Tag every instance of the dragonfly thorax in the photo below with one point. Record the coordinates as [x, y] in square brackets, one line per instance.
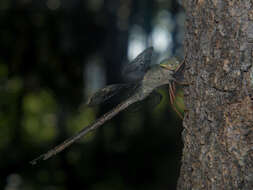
[155, 77]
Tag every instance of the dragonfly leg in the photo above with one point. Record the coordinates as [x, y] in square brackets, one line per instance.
[173, 87]
[179, 114]
[183, 83]
[180, 79]
[172, 99]
[181, 64]
[171, 92]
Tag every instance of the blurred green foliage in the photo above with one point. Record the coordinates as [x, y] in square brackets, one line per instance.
[78, 121]
[39, 120]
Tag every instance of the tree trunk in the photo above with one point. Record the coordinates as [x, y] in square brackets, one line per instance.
[218, 123]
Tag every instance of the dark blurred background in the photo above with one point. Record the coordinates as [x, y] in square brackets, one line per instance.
[53, 55]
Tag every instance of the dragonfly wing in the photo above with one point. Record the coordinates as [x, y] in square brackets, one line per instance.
[110, 92]
[178, 75]
[154, 99]
[151, 101]
[136, 69]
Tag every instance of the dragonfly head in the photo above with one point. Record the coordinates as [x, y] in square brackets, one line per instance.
[170, 64]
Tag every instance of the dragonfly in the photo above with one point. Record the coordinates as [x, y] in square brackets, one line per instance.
[145, 80]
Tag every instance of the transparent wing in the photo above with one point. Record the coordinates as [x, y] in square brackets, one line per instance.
[154, 99]
[111, 94]
[178, 75]
[136, 69]
[151, 101]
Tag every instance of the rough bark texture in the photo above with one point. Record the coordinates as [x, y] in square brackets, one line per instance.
[218, 124]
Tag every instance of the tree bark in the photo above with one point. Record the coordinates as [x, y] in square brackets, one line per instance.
[218, 124]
